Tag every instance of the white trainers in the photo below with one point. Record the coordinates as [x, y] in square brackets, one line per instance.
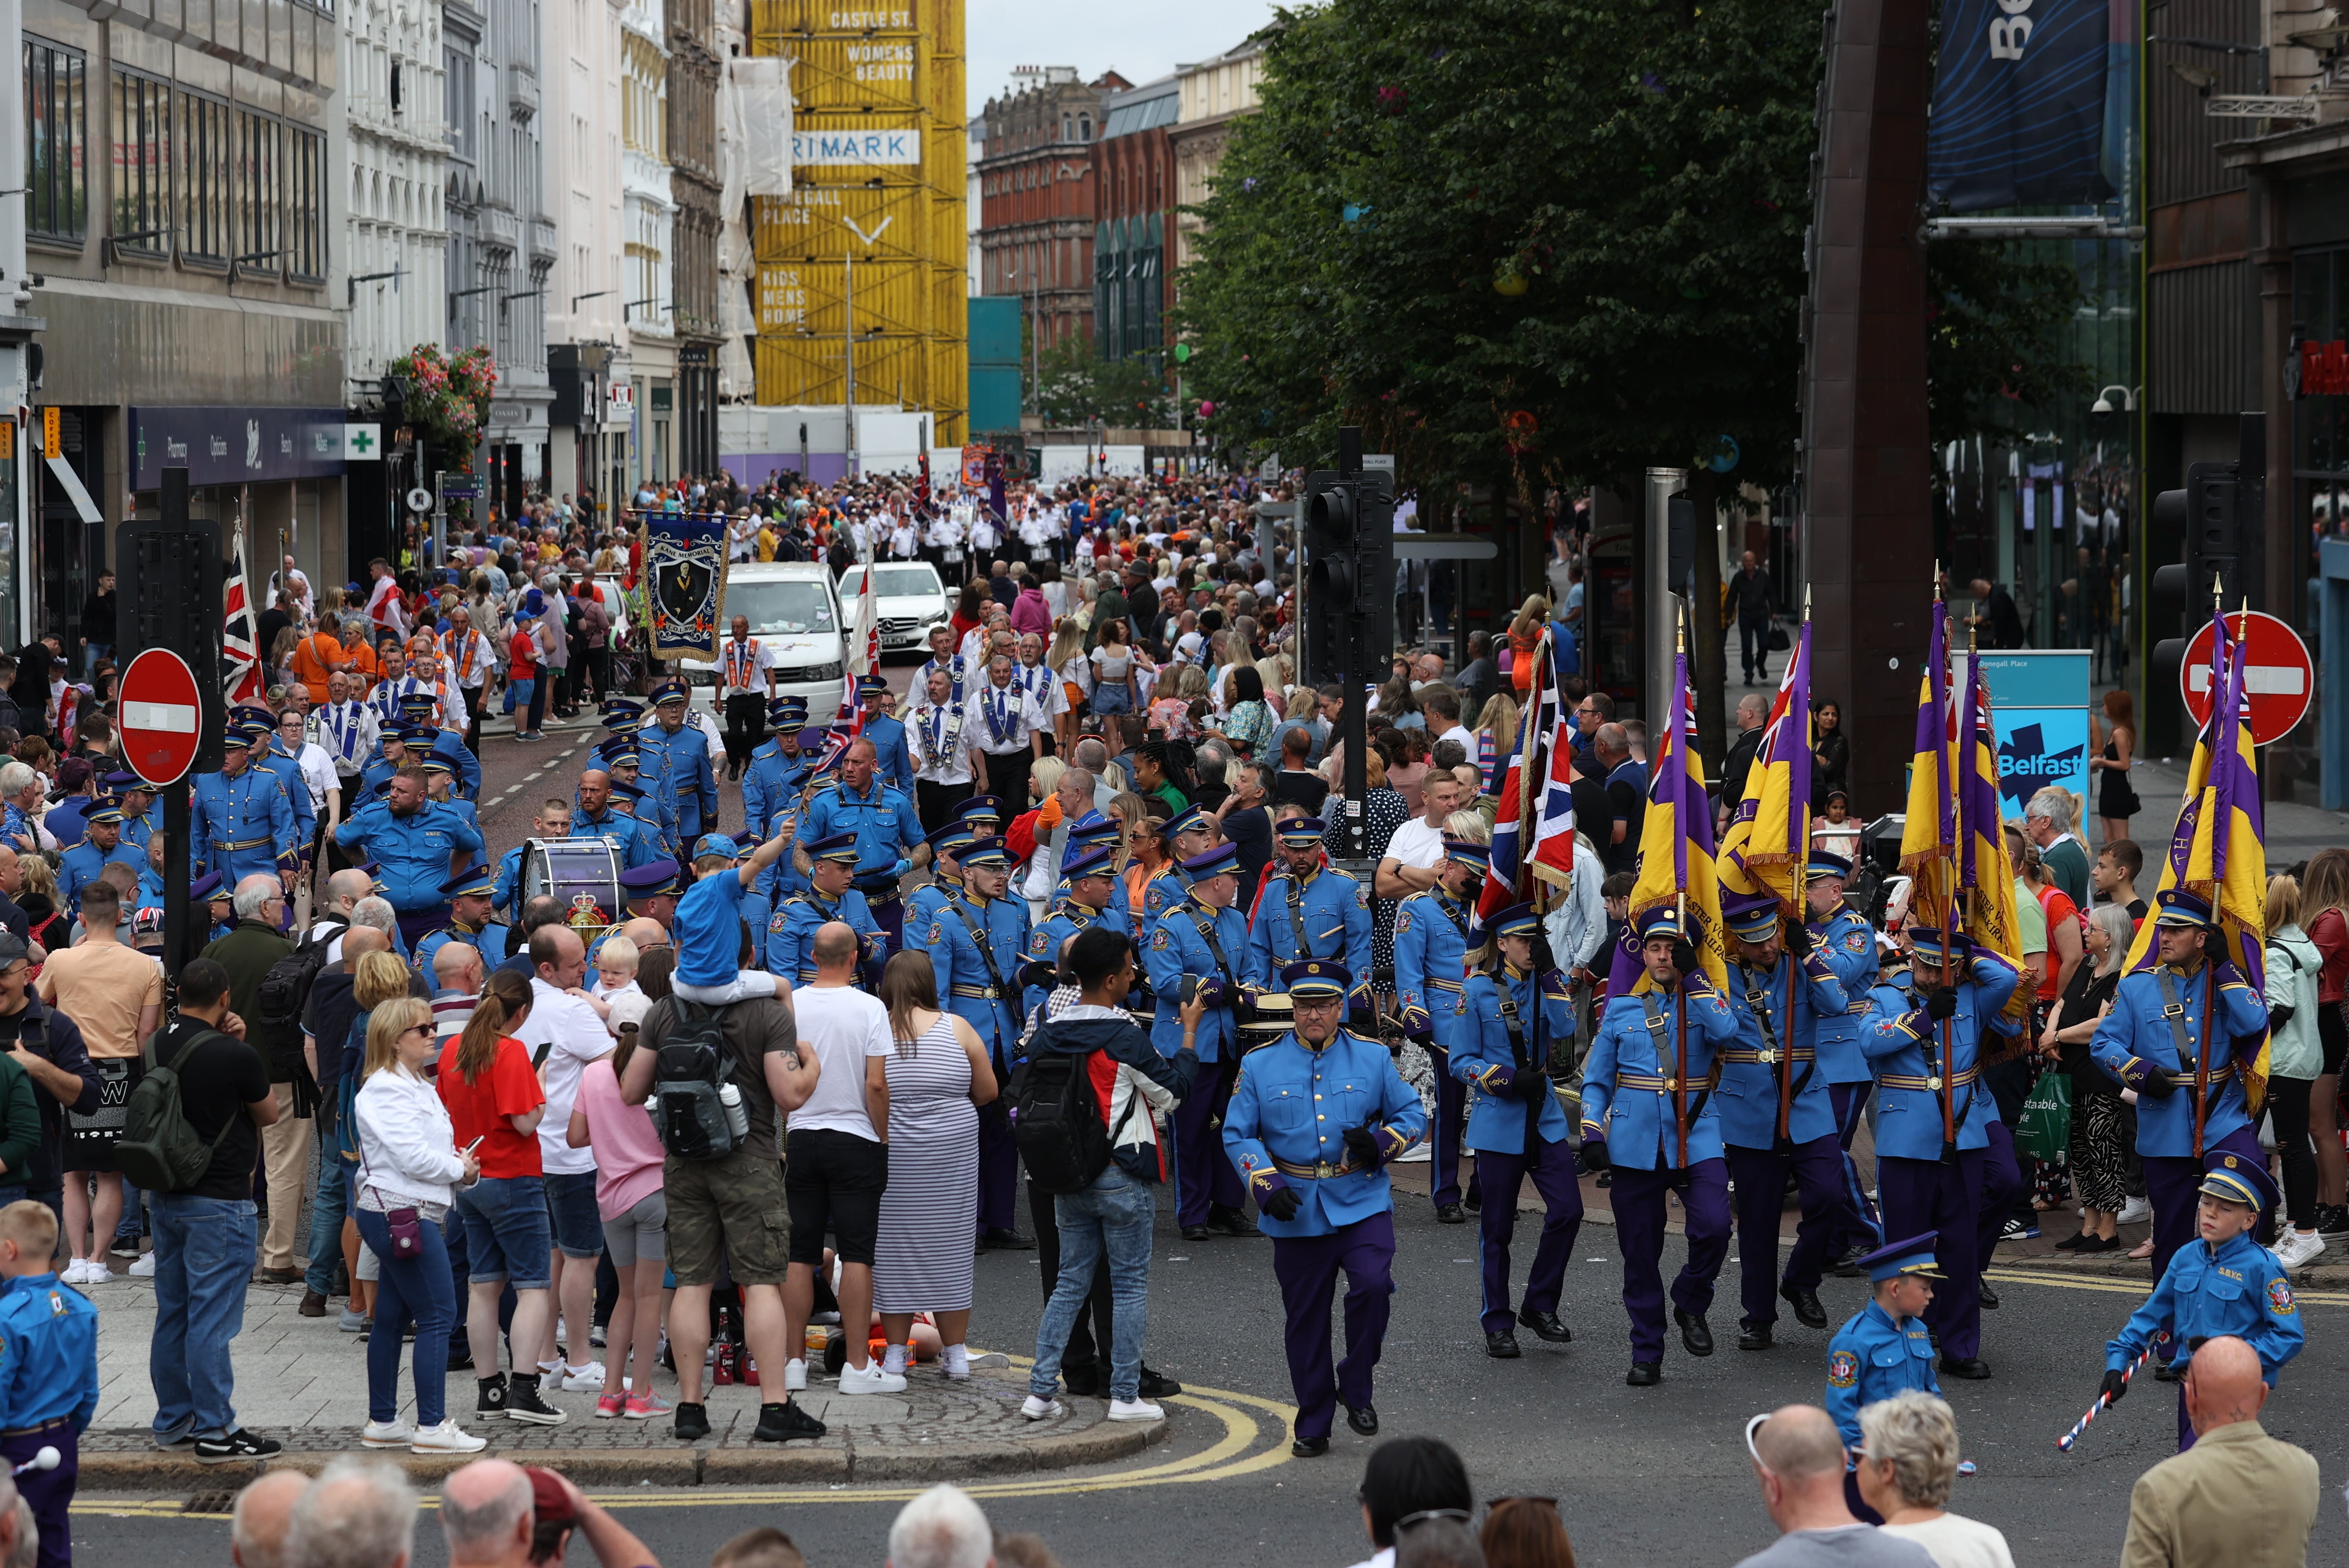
[587, 1379]
[871, 1378]
[391, 1434]
[794, 1376]
[74, 1271]
[1133, 1410]
[2295, 1248]
[96, 1273]
[447, 1437]
[1039, 1408]
[144, 1268]
[2135, 1211]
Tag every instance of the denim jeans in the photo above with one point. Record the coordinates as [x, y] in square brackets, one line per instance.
[507, 1236]
[327, 1199]
[204, 1251]
[416, 1290]
[1115, 1214]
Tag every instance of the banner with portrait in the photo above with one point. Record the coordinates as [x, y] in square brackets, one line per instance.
[685, 583]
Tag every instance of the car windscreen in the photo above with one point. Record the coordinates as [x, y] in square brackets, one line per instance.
[893, 582]
[781, 608]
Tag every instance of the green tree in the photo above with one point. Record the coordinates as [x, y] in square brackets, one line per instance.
[1997, 320]
[1077, 385]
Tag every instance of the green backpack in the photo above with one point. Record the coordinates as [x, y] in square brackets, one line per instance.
[159, 1150]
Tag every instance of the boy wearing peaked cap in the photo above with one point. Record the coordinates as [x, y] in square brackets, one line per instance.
[1886, 1347]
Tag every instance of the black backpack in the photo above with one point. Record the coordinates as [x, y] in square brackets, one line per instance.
[1056, 1120]
[160, 1150]
[284, 998]
[693, 1066]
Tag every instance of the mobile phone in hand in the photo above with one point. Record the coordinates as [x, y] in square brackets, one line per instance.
[470, 1148]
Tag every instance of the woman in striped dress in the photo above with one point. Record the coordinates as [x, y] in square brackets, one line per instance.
[938, 1077]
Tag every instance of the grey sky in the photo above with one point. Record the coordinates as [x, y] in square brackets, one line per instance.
[1139, 42]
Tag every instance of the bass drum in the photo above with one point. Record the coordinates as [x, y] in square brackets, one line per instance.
[582, 875]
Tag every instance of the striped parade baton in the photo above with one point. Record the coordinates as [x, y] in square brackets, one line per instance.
[2104, 1401]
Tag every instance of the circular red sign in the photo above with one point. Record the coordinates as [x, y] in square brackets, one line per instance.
[2279, 679]
[162, 716]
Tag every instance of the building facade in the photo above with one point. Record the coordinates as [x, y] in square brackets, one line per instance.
[1134, 287]
[695, 60]
[1213, 93]
[178, 216]
[646, 223]
[1040, 189]
[586, 326]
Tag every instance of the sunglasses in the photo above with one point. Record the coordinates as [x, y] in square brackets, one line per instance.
[1410, 1520]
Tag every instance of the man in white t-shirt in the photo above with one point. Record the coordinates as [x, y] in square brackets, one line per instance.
[1441, 704]
[1417, 848]
[565, 1033]
[836, 1156]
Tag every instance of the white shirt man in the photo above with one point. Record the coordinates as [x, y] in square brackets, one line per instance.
[745, 663]
[1042, 688]
[934, 734]
[984, 534]
[902, 544]
[1417, 846]
[348, 731]
[466, 654]
[292, 582]
[999, 719]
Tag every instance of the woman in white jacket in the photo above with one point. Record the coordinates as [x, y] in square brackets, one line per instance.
[408, 1163]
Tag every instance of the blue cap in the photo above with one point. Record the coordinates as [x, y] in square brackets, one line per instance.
[1927, 946]
[984, 852]
[126, 782]
[1662, 920]
[2179, 907]
[106, 809]
[650, 880]
[671, 691]
[871, 685]
[1912, 1258]
[206, 886]
[2238, 1181]
[245, 714]
[834, 846]
[477, 881]
[1468, 853]
[1189, 820]
[1518, 920]
[715, 844]
[1827, 863]
[434, 762]
[420, 735]
[619, 710]
[1093, 829]
[628, 791]
[1089, 863]
[951, 839]
[1300, 833]
[620, 754]
[786, 712]
[533, 603]
[1752, 916]
[981, 809]
[1316, 979]
[1221, 860]
[418, 702]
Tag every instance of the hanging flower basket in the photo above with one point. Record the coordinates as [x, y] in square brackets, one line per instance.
[448, 398]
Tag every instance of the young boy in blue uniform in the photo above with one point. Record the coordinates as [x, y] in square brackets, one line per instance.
[1886, 1347]
[49, 1371]
[2225, 1283]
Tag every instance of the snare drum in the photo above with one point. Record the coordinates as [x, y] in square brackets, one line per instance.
[583, 875]
[1274, 1017]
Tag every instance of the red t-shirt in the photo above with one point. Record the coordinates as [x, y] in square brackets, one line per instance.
[525, 655]
[480, 1109]
[2057, 906]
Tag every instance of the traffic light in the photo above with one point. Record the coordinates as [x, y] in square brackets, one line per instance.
[168, 580]
[2206, 517]
[1328, 533]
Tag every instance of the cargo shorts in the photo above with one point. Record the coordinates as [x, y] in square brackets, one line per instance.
[731, 1208]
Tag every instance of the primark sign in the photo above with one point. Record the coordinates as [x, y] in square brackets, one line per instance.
[838, 149]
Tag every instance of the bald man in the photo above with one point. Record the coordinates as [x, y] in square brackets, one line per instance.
[257, 1531]
[2238, 1496]
[1798, 1457]
[488, 1512]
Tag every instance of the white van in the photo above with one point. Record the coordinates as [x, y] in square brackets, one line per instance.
[796, 614]
[910, 600]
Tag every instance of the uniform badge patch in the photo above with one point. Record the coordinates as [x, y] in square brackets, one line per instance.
[1858, 941]
[778, 922]
[1843, 1370]
[1158, 940]
[2280, 1300]
[1042, 940]
[937, 932]
[1402, 921]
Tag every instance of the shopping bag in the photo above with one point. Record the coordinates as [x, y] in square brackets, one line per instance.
[2044, 1130]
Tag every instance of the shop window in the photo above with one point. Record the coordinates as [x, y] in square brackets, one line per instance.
[56, 182]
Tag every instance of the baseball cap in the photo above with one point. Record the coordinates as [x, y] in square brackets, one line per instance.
[12, 951]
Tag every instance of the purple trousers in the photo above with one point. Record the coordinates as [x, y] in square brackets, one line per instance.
[889, 914]
[2173, 1184]
[1445, 1133]
[1638, 1199]
[50, 1492]
[1920, 1195]
[2001, 1184]
[999, 1169]
[1858, 1228]
[1307, 1267]
[1761, 1178]
[1498, 1177]
[1204, 1177]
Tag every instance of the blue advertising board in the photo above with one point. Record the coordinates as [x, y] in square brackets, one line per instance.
[2039, 702]
[2018, 115]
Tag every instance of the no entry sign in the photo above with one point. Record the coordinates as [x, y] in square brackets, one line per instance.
[162, 715]
[2279, 679]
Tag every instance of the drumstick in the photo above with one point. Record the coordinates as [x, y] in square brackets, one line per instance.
[2102, 1402]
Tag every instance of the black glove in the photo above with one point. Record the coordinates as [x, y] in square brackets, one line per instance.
[1942, 1004]
[2156, 1084]
[1363, 1146]
[1531, 1085]
[1281, 1203]
[1595, 1156]
[1040, 973]
[1684, 957]
[2115, 1384]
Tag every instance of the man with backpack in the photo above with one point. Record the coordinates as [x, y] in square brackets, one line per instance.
[1086, 1114]
[189, 1139]
[252, 954]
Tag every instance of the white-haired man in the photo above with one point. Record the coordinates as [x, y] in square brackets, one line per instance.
[943, 1528]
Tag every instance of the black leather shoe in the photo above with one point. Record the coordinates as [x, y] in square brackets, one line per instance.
[1501, 1345]
[1363, 1418]
[1754, 1337]
[1696, 1338]
[1545, 1326]
[1474, 1203]
[1973, 1368]
[1003, 1239]
[1806, 1303]
[1231, 1222]
[1989, 1297]
[1157, 1385]
[1309, 1448]
[1452, 1213]
[1195, 1233]
[1847, 1267]
[1645, 1373]
[2167, 1372]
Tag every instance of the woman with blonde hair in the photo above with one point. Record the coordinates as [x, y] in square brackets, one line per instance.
[1908, 1462]
[409, 1171]
[1067, 661]
[373, 984]
[1496, 737]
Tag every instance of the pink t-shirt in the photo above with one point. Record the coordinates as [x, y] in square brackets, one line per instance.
[628, 1151]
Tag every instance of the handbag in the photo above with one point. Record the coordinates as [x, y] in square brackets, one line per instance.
[406, 1225]
[2044, 1130]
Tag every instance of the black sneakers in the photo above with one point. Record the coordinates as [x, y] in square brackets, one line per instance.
[783, 1423]
[493, 1402]
[238, 1447]
[692, 1422]
[524, 1404]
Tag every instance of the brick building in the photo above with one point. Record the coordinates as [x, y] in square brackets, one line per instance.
[1133, 283]
[1039, 196]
